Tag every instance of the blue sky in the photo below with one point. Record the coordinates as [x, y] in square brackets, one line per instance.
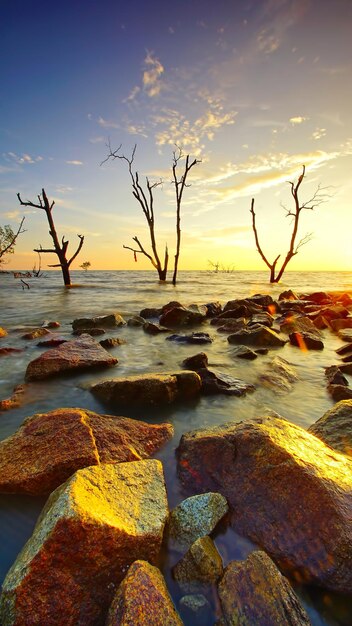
[254, 89]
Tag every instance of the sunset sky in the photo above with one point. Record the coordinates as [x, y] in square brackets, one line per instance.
[252, 88]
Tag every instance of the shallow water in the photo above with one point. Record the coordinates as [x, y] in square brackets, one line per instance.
[98, 293]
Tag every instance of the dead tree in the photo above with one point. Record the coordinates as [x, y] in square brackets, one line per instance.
[8, 239]
[145, 199]
[180, 184]
[318, 197]
[59, 249]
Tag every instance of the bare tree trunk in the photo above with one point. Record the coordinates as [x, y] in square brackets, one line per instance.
[59, 249]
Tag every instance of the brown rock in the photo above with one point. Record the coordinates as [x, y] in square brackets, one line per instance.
[180, 316]
[257, 336]
[3, 332]
[111, 342]
[76, 355]
[335, 376]
[306, 341]
[52, 342]
[335, 427]
[199, 568]
[91, 529]
[253, 593]
[142, 598]
[340, 392]
[290, 493]
[148, 389]
[278, 375]
[299, 324]
[93, 332]
[8, 350]
[345, 334]
[15, 400]
[215, 382]
[105, 321]
[37, 332]
[340, 324]
[49, 447]
[195, 362]
[346, 368]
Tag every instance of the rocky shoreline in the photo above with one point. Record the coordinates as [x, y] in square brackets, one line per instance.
[95, 553]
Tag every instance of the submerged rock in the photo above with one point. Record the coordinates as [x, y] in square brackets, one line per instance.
[142, 598]
[148, 389]
[289, 493]
[111, 342]
[214, 382]
[195, 608]
[105, 321]
[197, 338]
[254, 593]
[199, 568]
[91, 529]
[35, 333]
[75, 355]
[15, 400]
[3, 332]
[52, 342]
[49, 447]
[279, 375]
[243, 352]
[195, 517]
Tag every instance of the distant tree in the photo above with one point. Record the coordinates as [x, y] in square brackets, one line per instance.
[145, 198]
[220, 267]
[8, 239]
[318, 197]
[59, 249]
[86, 265]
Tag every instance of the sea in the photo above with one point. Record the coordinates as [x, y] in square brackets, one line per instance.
[38, 300]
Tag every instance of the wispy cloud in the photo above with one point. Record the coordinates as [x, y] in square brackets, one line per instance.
[107, 123]
[97, 139]
[152, 75]
[319, 133]
[74, 162]
[133, 94]
[22, 159]
[298, 120]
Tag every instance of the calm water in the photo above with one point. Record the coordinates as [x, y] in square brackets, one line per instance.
[98, 293]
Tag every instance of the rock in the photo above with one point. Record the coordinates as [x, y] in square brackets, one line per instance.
[52, 342]
[335, 427]
[213, 309]
[49, 447]
[299, 324]
[288, 295]
[199, 568]
[181, 316]
[91, 529]
[142, 598]
[335, 312]
[195, 517]
[53, 324]
[347, 358]
[148, 389]
[254, 593]
[8, 350]
[318, 297]
[345, 349]
[154, 329]
[37, 332]
[232, 326]
[136, 320]
[289, 493]
[195, 608]
[151, 312]
[346, 368]
[346, 334]
[111, 342]
[263, 300]
[306, 341]
[93, 332]
[14, 401]
[260, 336]
[339, 392]
[335, 376]
[236, 311]
[3, 332]
[279, 374]
[341, 324]
[263, 318]
[196, 362]
[196, 338]
[75, 355]
[243, 352]
[105, 321]
[214, 382]
[251, 307]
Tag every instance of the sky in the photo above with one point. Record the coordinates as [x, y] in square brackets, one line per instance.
[253, 89]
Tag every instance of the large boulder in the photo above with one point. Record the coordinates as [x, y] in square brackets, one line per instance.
[335, 427]
[195, 517]
[91, 529]
[142, 598]
[254, 593]
[49, 447]
[257, 336]
[148, 389]
[289, 492]
[76, 355]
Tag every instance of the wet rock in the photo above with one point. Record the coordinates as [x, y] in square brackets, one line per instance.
[341, 324]
[105, 321]
[346, 334]
[289, 492]
[260, 336]
[154, 329]
[49, 447]
[52, 342]
[237, 311]
[279, 375]
[213, 309]
[91, 529]
[232, 326]
[335, 376]
[8, 350]
[250, 306]
[299, 324]
[335, 312]
[195, 517]
[243, 352]
[136, 321]
[35, 333]
[151, 312]
[180, 316]
[196, 362]
[76, 355]
[346, 368]
[199, 568]
[345, 349]
[148, 389]
[335, 427]
[253, 592]
[347, 358]
[263, 318]
[195, 608]
[306, 341]
[142, 598]
[52, 324]
[288, 295]
[214, 382]
[339, 392]
[111, 342]
[320, 322]
[318, 297]
[3, 332]
[196, 338]
[93, 332]
[14, 401]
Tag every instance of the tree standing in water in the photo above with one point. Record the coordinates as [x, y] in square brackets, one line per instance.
[59, 249]
[8, 239]
[318, 197]
[145, 198]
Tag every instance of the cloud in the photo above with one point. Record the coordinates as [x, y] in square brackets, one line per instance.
[98, 139]
[74, 162]
[107, 123]
[319, 133]
[22, 159]
[277, 17]
[298, 120]
[63, 189]
[132, 95]
[136, 129]
[151, 75]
